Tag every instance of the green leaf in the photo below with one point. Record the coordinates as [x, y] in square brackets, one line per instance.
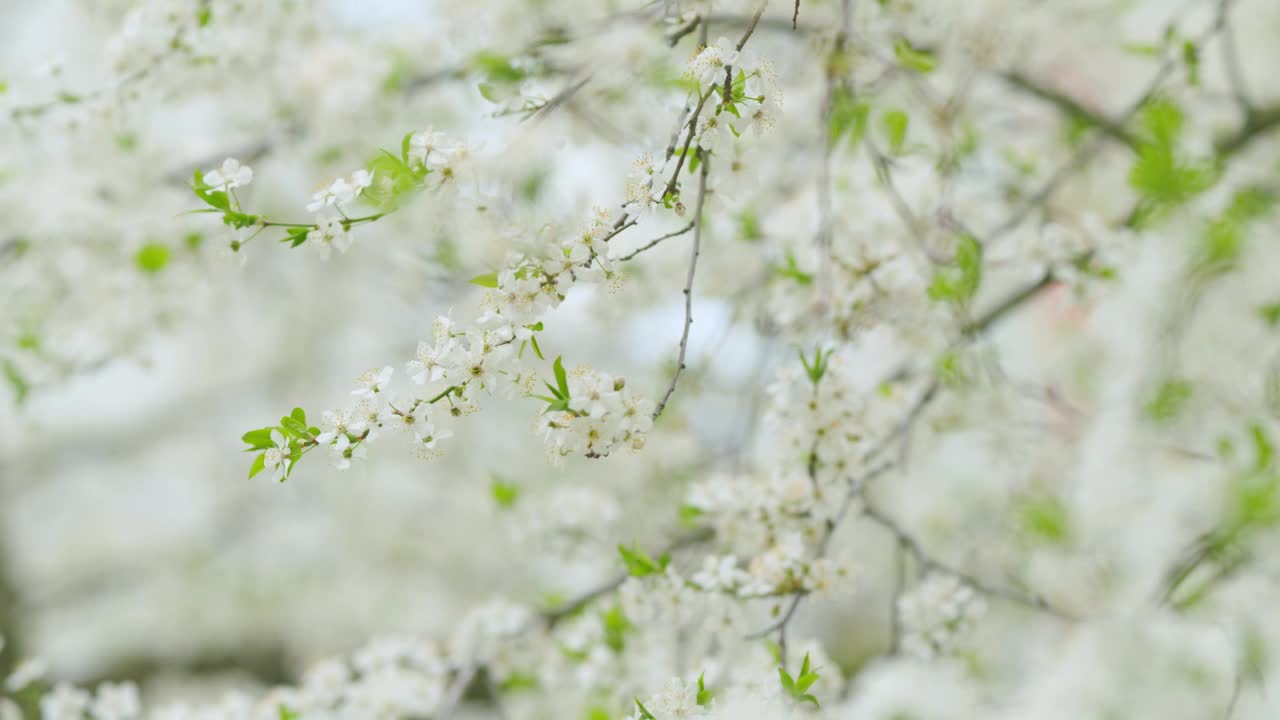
[638, 563]
[787, 683]
[644, 712]
[1270, 313]
[259, 463]
[504, 493]
[1169, 400]
[19, 383]
[1162, 120]
[497, 67]
[615, 624]
[950, 369]
[1045, 518]
[1165, 180]
[797, 687]
[562, 378]
[689, 515]
[895, 124]
[293, 427]
[300, 415]
[533, 340]
[749, 225]
[259, 439]
[848, 116]
[921, 61]
[152, 257]
[1220, 247]
[518, 681]
[394, 180]
[489, 280]
[793, 272]
[818, 367]
[406, 143]
[1191, 59]
[704, 695]
[204, 15]
[1263, 448]
[960, 283]
[1254, 501]
[1143, 49]
[1162, 177]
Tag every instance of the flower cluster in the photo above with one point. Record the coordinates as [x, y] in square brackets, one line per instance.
[596, 414]
[747, 100]
[937, 615]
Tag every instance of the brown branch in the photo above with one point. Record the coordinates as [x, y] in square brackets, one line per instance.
[1231, 58]
[572, 607]
[751, 25]
[688, 287]
[10, 621]
[1257, 123]
[655, 241]
[560, 98]
[917, 551]
[678, 34]
[1070, 106]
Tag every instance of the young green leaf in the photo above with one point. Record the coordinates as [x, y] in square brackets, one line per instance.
[17, 381]
[895, 126]
[504, 493]
[489, 280]
[644, 712]
[562, 378]
[921, 61]
[259, 439]
[638, 563]
[704, 695]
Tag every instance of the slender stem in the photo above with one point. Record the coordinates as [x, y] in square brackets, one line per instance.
[655, 241]
[456, 691]
[1231, 59]
[1070, 106]
[688, 286]
[928, 561]
[572, 607]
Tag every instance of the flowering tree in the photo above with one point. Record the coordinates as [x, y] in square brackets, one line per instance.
[983, 424]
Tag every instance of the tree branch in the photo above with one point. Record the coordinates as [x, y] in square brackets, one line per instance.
[1070, 106]
[688, 287]
[655, 241]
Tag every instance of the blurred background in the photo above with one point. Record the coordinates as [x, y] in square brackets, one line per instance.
[137, 348]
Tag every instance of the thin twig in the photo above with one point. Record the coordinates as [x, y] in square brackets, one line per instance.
[900, 550]
[678, 34]
[688, 286]
[926, 560]
[560, 98]
[1231, 59]
[572, 607]
[655, 241]
[751, 26]
[1070, 106]
[456, 690]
